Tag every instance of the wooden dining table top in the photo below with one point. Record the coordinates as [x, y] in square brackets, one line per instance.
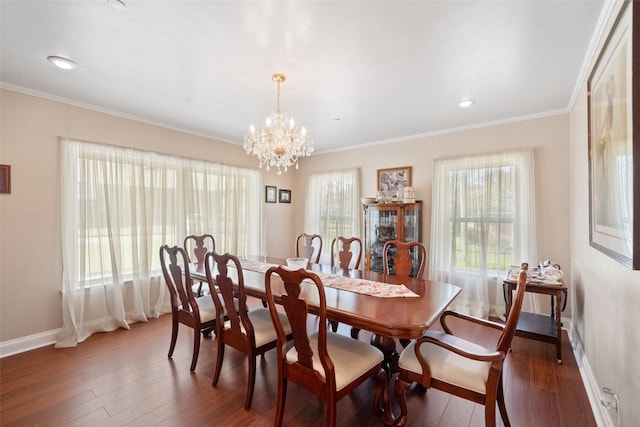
[397, 317]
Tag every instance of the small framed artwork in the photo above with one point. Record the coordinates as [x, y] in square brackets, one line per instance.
[613, 95]
[285, 196]
[394, 179]
[5, 179]
[270, 193]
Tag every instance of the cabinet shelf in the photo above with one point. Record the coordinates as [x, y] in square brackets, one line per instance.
[388, 221]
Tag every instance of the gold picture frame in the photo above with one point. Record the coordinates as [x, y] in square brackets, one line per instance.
[394, 179]
[614, 142]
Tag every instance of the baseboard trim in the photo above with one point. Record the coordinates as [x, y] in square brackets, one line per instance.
[590, 384]
[30, 342]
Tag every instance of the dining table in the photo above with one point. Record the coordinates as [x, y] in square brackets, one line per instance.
[390, 307]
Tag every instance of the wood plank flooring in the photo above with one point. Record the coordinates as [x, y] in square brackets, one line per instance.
[124, 378]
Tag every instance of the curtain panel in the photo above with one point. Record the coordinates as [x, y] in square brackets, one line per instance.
[333, 207]
[483, 221]
[119, 206]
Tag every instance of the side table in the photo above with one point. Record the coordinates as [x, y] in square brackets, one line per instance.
[540, 327]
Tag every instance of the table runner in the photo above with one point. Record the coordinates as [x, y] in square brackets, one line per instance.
[352, 284]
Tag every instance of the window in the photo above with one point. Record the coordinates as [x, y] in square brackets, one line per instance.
[483, 221]
[119, 206]
[333, 206]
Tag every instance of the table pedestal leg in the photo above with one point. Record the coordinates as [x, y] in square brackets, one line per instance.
[388, 347]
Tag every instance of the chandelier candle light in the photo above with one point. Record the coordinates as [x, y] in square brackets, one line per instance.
[279, 143]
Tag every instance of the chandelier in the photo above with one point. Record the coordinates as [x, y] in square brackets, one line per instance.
[279, 143]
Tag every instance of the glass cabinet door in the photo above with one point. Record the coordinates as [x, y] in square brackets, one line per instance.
[391, 221]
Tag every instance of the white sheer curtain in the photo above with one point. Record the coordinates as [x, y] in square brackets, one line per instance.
[483, 221]
[333, 207]
[119, 206]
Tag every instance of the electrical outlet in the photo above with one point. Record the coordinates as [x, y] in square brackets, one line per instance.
[611, 401]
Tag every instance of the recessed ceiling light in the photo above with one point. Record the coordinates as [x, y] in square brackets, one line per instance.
[64, 63]
[117, 4]
[466, 102]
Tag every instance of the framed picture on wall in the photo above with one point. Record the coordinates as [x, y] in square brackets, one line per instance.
[285, 196]
[270, 193]
[5, 179]
[394, 179]
[614, 142]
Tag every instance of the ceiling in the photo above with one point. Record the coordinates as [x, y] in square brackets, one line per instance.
[358, 72]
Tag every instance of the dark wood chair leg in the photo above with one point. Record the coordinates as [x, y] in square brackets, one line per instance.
[354, 333]
[490, 411]
[252, 381]
[282, 396]
[501, 404]
[334, 326]
[219, 359]
[196, 348]
[174, 337]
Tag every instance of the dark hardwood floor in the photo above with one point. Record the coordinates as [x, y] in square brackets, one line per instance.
[124, 378]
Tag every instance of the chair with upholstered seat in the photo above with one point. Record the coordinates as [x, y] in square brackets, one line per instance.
[346, 249]
[197, 247]
[250, 332]
[343, 250]
[309, 246]
[461, 367]
[198, 313]
[404, 258]
[327, 364]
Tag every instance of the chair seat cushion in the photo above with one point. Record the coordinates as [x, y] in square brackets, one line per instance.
[207, 308]
[263, 328]
[448, 366]
[351, 358]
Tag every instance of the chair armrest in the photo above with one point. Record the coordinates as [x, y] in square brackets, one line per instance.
[491, 356]
[471, 319]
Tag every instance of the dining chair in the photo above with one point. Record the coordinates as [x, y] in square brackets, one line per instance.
[461, 367]
[401, 259]
[198, 313]
[342, 250]
[248, 331]
[327, 364]
[197, 247]
[398, 258]
[305, 247]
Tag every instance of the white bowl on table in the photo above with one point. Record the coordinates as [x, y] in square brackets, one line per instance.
[297, 263]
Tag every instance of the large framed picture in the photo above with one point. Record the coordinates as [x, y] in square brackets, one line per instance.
[614, 142]
[394, 179]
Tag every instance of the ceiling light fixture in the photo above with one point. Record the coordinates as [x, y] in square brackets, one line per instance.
[60, 62]
[279, 143]
[117, 4]
[466, 102]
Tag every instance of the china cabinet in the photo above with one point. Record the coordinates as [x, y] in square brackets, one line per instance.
[388, 221]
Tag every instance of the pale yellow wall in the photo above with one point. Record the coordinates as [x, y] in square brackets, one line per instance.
[29, 217]
[549, 138]
[605, 296]
[30, 245]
